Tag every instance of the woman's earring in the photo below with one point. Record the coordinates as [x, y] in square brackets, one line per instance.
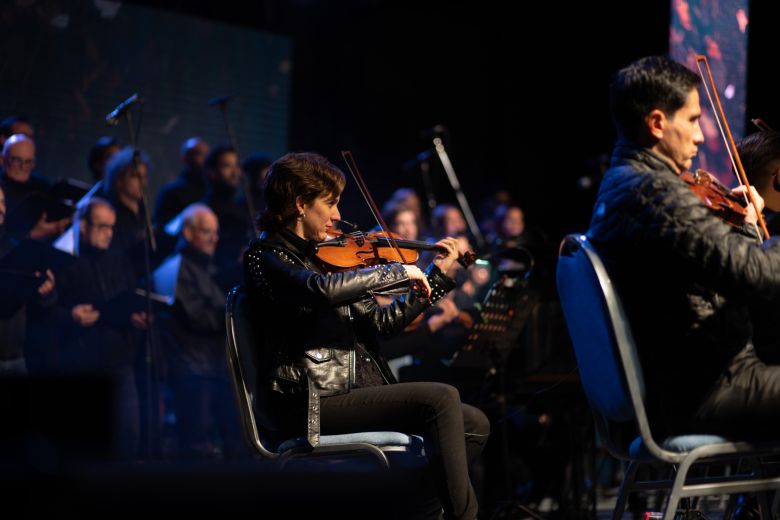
[303, 215]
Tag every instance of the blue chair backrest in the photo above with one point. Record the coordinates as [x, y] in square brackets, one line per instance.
[603, 344]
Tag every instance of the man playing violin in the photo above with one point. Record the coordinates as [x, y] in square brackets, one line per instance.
[684, 275]
[321, 368]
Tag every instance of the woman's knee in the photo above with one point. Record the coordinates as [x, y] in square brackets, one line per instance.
[475, 421]
[437, 397]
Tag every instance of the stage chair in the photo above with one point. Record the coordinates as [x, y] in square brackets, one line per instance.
[241, 354]
[612, 378]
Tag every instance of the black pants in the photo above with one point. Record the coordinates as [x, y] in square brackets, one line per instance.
[745, 401]
[455, 433]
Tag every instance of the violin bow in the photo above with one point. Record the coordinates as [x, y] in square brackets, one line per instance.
[761, 124]
[353, 169]
[728, 139]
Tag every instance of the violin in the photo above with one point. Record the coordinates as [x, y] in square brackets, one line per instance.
[718, 198]
[346, 251]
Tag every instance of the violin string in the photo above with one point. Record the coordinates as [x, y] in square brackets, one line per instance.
[715, 112]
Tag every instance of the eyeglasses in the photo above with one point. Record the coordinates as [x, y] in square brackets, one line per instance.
[102, 227]
[19, 162]
[207, 232]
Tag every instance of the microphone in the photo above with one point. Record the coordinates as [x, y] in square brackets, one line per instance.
[434, 131]
[220, 100]
[112, 119]
[421, 157]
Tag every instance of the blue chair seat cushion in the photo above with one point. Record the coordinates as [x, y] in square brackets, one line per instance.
[379, 439]
[676, 444]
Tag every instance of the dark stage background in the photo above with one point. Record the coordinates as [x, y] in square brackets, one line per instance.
[370, 76]
[66, 64]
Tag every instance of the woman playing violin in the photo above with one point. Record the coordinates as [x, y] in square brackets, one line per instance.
[322, 369]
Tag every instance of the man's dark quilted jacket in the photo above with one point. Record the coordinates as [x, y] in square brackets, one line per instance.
[685, 278]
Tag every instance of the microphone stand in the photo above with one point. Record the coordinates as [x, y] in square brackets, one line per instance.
[438, 146]
[222, 102]
[150, 246]
[425, 170]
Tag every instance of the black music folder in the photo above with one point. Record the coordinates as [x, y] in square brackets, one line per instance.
[58, 202]
[30, 256]
[117, 310]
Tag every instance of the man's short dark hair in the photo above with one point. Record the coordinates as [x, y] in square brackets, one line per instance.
[85, 211]
[212, 159]
[653, 82]
[97, 153]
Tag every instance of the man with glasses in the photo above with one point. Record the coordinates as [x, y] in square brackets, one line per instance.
[23, 184]
[194, 337]
[98, 336]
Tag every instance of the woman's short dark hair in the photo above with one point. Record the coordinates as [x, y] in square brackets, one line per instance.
[301, 174]
[760, 155]
[653, 82]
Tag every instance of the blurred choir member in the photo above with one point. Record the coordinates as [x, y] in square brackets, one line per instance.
[207, 422]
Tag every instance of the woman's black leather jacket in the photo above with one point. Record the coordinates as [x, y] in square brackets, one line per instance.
[310, 321]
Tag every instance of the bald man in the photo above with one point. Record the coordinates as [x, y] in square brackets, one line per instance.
[194, 334]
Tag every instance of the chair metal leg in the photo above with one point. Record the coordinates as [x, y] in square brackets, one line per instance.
[674, 494]
[625, 490]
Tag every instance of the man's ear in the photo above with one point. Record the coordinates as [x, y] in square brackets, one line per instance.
[656, 123]
[186, 232]
[776, 180]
